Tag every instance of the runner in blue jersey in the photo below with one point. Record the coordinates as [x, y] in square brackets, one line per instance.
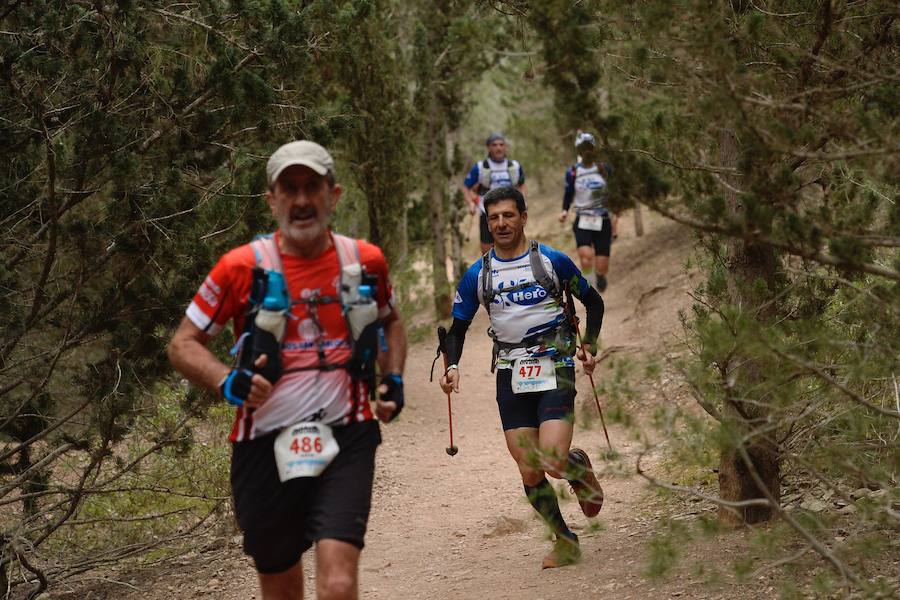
[586, 191]
[496, 170]
[523, 285]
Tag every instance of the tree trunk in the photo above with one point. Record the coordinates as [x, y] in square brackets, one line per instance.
[436, 183]
[748, 264]
[638, 220]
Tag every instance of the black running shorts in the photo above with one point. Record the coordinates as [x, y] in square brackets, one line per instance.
[533, 408]
[486, 237]
[280, 521]
[600, 241]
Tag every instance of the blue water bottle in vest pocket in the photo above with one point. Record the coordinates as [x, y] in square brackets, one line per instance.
[269, 324]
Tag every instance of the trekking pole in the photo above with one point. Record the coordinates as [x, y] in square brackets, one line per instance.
[442, 349]
[580, 341]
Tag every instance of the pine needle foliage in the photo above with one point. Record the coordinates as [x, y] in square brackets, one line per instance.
[771, 129]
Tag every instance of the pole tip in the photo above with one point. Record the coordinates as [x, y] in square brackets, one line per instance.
[452, 450]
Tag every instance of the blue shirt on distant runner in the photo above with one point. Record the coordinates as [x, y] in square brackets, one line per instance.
[525, 312]
[497, 174]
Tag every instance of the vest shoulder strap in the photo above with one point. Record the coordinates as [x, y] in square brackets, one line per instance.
[487, 282]
[265, 250]
[540, 271]
[347, 249]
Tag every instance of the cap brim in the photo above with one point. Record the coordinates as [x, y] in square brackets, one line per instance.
[318, 168]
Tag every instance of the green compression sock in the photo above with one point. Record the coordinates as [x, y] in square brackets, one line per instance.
[543, 499]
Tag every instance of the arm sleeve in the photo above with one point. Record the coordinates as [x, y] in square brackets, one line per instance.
[593, 304]
[456, 337]
[569, 190]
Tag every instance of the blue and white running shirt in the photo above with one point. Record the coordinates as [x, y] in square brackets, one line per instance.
[525, 312]
[499, 176]
[585, 187]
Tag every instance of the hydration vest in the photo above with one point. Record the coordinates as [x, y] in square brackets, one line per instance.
[597, 202]
[561, 338]
[484, 173]
[364, 348]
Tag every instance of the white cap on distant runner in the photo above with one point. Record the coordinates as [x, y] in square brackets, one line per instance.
[585, 138]
[303, 152]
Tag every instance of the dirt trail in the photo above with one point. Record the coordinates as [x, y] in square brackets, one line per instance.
[459, 527]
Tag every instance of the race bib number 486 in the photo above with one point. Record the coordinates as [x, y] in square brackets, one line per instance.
[533, 374]
[304, 450]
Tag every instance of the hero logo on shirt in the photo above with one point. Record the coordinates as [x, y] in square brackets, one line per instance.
[528, 296]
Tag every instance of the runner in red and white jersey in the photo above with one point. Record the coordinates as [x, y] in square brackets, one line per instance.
[305, 437]
[327, 396]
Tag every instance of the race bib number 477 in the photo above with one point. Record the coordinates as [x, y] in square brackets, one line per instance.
[304, 450]
[533, 374]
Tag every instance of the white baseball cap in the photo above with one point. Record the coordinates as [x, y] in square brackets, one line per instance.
[302, 152]
[585, 138]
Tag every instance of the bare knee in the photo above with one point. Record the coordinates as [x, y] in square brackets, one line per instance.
[336, 584]
[530, 476]
[287, 585]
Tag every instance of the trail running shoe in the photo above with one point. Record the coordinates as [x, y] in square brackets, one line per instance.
[584, 483]
[566, 551]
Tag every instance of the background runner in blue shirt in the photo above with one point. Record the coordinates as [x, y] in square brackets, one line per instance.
[496, 170]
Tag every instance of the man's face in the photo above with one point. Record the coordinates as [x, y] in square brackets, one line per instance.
[587, 152]
[506, 223]
[497, 150]
[302, 203]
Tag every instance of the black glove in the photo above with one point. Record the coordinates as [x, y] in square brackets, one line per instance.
[394, 392]
[236, 387]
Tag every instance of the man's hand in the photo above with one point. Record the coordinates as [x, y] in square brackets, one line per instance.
[472, 208]
[244, 387]
[390, 399]
[563, 215]
[450, 381]
[587, 361]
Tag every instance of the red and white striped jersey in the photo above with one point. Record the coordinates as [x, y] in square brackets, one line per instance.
[330, 397]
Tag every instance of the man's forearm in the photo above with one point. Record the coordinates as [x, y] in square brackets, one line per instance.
[456, 337]
[192, 358]
[469, 196]
[594, 307]
[394, 360]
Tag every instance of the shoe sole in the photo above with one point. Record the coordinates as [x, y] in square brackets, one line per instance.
[590, 507]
